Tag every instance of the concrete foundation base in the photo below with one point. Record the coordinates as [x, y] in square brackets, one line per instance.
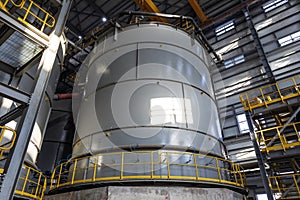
[151, 193]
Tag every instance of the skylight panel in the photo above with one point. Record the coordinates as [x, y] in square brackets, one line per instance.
[234, 61]
[225, 28]
[289, 39]
[271, 5]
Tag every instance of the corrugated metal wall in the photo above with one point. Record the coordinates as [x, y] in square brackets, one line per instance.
[231, 81]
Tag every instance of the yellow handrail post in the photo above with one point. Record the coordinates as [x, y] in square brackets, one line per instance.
[59, 174]
[44, 187]
[263, 96]
[2, 134]
[295, 85]
[234, 172]
[27, 11]
[52, 178]
[45, 21]
[152, 164]
[277, 184]
[248, 100]
[122, 166]
[196, 166]
[4, 6]
[168, 165]
[238, 171]
[95, 168]
[74, 171]
[277, 87]
[218, 168]
[296, 131]
[38, 183]
[242, 100]
[264, 141]
[296, 184]
[281, 138]
[25, 180]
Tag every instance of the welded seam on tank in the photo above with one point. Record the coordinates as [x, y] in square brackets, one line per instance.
[145, 126]
[171, 27]
[152, 79]
[97, 55]
[136, 62]
[143, 148]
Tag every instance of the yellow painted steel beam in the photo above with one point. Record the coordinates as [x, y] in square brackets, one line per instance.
[198, 10]
[149, 6]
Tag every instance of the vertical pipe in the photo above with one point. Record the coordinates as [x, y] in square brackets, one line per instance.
[259, 158]
[47, 61]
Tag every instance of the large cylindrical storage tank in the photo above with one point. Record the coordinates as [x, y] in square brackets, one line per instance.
[147, 88]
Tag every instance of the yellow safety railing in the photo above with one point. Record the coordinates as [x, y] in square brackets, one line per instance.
[31, 183]
[287, 186]
[155, 165]
[277, 92]
[289, 138]
[31, 12]
[6, 143]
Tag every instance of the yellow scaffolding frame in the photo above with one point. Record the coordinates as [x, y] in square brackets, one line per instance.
[286, 184]
[67, 173]
[284, 140]
[277, 92]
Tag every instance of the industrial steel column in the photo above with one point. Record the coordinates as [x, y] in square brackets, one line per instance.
[46, 65]
[259, 158]
[259, 47]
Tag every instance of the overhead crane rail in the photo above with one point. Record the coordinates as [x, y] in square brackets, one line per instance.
[156, 166]
[30, 12]
[284, 140]
[270, 94]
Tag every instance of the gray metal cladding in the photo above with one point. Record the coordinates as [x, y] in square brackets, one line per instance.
[147, 85]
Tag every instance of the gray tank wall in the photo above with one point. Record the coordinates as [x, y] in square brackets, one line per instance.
[130, 73]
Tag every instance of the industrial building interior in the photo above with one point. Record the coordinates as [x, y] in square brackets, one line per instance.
[150, 99]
